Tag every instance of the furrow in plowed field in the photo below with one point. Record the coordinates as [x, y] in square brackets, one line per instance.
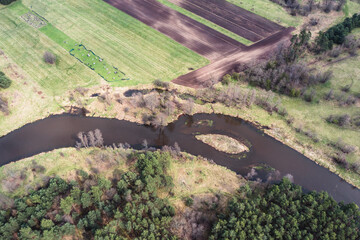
[190, 33]
[231, 17]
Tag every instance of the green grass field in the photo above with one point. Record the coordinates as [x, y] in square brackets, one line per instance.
[38, 88]
[134, 48]
[206, 22]
[269, 10]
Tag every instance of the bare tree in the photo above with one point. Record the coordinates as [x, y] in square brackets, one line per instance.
[92, 139]
[170, 107]
[188, 106]
[4, 106]
[82, 142]
[99, 138]
[49, 57]
[152, 101]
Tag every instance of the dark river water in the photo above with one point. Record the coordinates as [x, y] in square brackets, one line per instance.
[60, 131]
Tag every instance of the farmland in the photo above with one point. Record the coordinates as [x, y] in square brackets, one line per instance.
[121, 40]
[231, 17]
[175, 119]
[190, 33]
[45, 86]
[206, 22]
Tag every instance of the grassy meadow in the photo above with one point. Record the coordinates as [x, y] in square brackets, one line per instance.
[191, 175]
[269, 10]
[139, 51]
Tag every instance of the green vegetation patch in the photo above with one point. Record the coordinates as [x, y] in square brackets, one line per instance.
[79, 51]
[283, 211]
[141, 52]
[34, 19]
[96, 63]
[269, 10]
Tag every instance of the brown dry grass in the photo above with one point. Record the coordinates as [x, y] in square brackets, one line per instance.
[223, 143]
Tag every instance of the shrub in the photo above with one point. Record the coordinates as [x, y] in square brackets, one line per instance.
[341, 120]
[49, 57]
[5, 82]
[188, 201]
[356, 166]
[226, 79]
[343, 147]
[161, 84]
[4, 106]
[340, 159]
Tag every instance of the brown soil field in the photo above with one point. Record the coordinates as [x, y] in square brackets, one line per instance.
[190, 33]
[231, 17]
[224, 52]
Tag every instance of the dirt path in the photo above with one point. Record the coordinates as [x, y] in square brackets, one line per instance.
[190, 33]
[224, 52]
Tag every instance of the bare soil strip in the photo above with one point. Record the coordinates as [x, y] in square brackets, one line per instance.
[188, 32]
[214, 71]
[231, 17]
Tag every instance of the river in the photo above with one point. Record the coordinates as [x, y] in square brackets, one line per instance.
[60, 131]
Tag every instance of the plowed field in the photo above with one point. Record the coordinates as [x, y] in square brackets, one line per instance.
[190, 33]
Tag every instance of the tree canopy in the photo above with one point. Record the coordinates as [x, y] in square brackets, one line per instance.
[5, 82]
[283, 211]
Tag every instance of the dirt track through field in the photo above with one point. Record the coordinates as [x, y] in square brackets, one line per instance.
[224, 52]
[190, 33]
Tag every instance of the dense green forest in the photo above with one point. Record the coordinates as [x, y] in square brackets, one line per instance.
[129, 206]
[6, 2]
[283, 211]
[96, 208]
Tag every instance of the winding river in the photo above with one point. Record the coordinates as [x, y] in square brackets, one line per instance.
[60, 131]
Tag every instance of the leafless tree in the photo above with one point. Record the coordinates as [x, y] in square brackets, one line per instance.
[170, 107]
[145, 144]
[92, 139]
[82, 142]
[188, 107]
[49, 57]
[152, 101]
[4, 107]
[99, 138]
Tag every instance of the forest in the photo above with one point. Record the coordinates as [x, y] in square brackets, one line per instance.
[284, 211]
[135, 205]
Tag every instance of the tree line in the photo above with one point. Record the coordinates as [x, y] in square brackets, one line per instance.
[304, 8]
[336, 34]
[6, 2]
